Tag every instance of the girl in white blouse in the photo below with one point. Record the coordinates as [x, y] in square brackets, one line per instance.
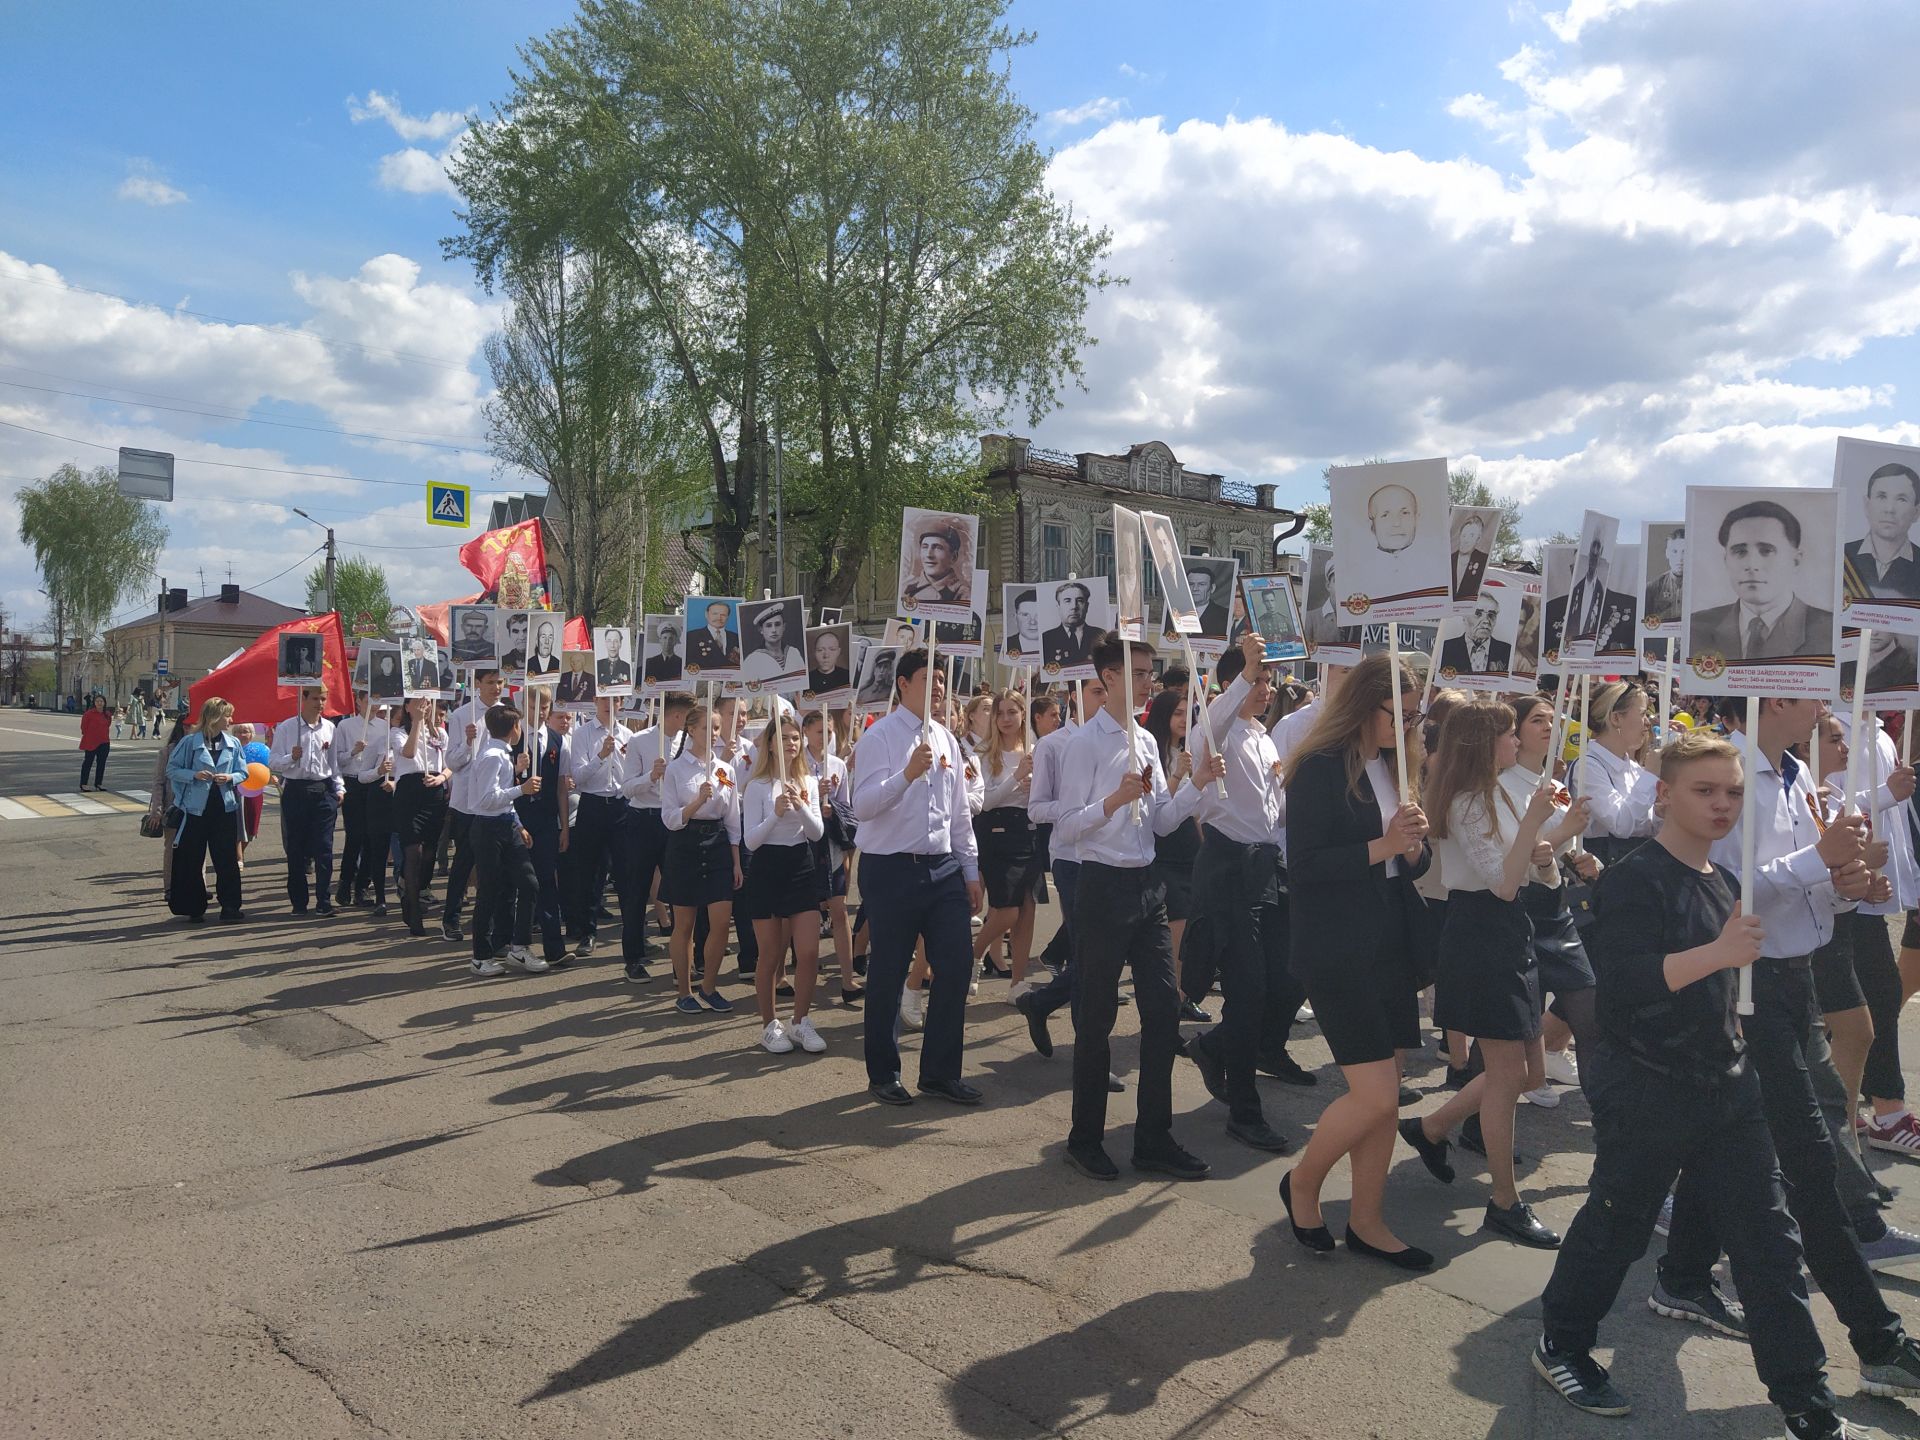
[1004, 836]
[829, 773]
[418, 746]
[1620, 788]
[780, 824]
[700, 806]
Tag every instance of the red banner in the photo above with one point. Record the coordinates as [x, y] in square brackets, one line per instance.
[249, 679]
[433, 618]
[511, 564]
[575, 636]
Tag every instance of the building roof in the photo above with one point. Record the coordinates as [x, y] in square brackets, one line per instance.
[249, 612]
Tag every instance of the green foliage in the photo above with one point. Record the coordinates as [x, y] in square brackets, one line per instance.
[359, 587]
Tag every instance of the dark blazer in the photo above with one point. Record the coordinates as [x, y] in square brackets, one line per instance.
[614, 672]
[1455, 655]
[1214, 620]
[821, 682]
[1343, 908]
[1803, 629]
[1466, 578]
[1057, 649]
[663, 667]
[704, 654]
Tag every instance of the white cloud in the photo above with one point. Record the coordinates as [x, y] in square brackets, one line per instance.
[416, 172]
[1100, 109]
[438, 126]
[144, 186]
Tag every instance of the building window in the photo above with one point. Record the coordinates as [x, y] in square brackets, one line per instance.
[1151, 572]
[1053, 552]
[1198, 547]
[1244, 559]
[1103, 553]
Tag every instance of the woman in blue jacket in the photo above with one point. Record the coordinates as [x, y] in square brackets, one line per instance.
[205, 771]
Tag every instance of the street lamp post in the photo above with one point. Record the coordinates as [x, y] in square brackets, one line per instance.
[330, 553]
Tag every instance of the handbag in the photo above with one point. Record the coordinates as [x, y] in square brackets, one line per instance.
[152, 827]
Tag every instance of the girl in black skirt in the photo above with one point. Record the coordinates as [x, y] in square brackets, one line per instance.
[1010, 864]
[700, 806]
[375, 773]
[781, 824]
[419, 748]
[1353, 847]
[1489, 980]
[1173, 854]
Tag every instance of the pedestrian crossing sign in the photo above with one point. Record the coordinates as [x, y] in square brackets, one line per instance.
[449, 504]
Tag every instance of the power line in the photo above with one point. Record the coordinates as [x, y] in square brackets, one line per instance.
[228, 320]
[223, 464]
[393, 439]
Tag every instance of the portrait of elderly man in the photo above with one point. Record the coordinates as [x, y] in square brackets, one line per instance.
[1477, 652]
[1881, 565]
[1471, 550]
[473, 635]
[1760, 542]
[1071, 641]
[941, 567]
[1393, 513]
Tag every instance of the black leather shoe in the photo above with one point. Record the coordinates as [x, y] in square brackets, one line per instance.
[1522, 1225]
[1408, 1096]
[1173, 1162]
[1115, 1085]
[1433, 1153]
[1095, 1164]
[1407, 1257]
[1260, 1135]
[1472, 1139]
[325, 912]
[1192, 1014]
[851, 995]
[1318, 1239]
[637, 973]
[1036, 1027]
[958, 1091]
[1284, 1067]
[891, 1093]
[1213, 1070]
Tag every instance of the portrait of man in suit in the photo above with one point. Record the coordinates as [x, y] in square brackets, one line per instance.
[1023, 635]
[576, 679]
[1470, 553]
[1071, 641]
[715, 646]
[1664, 590]
[664, 665]
[1760, 543]
[513, 640]
[1881, 565]
[1209, 600]
[1477, 652]
[472, 635]
[545, 659]
[1587, 602]
[613, 668]
[423, 666]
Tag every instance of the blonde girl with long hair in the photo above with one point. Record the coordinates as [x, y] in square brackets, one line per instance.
[781, 824]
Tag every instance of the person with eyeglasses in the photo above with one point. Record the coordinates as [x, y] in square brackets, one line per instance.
[1354, 845]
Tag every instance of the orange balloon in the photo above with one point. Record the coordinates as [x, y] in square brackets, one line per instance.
[258, 778]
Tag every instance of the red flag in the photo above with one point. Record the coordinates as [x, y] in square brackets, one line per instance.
[511, 564]
[248, 680]
[575, 636]
[433, 618]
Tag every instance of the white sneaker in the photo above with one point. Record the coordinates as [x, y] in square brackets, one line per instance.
[913, 1009]
[1304, 1015]
[1546, 1097]
[486, 969]
[973, 988]
[524, 959]
[1562, 1068]
[808, 1037]
[1014, 992]
[774, 1039]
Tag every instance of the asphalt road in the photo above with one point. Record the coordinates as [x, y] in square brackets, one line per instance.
[312, 1179]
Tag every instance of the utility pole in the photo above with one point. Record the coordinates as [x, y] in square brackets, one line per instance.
[330, 553]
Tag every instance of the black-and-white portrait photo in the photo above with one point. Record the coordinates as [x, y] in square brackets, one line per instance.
[936, 564]
[1471, 531]
[1892, 682]
[1618, 638]
[1664, 552]
[612, 671]
[1390, 540]
[1880, 486]
[549, 635]
[1762, 590]
[662, 667]
[513, 632]
[1593, 588]
[1020, 610]
[829, 615]
[1076, 612]
[965, 638]
[300, 658]
[577, 691]
[1480, 650]
[829, 661]
[1212, 579]
[876, 677]
[470, 628]
[771, 632]
[1129, 574]
[384, 682]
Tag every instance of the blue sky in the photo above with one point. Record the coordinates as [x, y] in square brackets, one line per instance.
[1613, 243]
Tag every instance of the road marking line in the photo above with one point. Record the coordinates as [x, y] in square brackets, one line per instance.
[145, 797]
[41, 805]
[122, 805]
[14, 810]
[82, 804]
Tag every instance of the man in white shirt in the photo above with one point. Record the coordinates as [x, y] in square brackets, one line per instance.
[1063, 862]
[505, 886]
[1112, 799]
[466, 733]
[302, 756]
[596, 768]
[648, 752]
[920, 877]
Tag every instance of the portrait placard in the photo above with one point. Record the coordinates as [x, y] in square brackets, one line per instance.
[771, 634]
[470, 636]
[662, 666]
[1183, 615]
[876, 676]
[612, 661]
[576, 693]
[384, 683]
[953, 638]
[301, 658]
[1212, 581]
[1471, 531]
[1020, 614]
[1591, 594]
[711, 637]
[830, 662]
[1329, 641]
[1129, 581]
[1073, 613]
[1891, 675]
[1880, 486]
[1619, 643]
[1274, 617]
[513, 636]
[1663, 554]
[1390, 540]
[422, 681]
[549, 639]
[1556, 578]
[1763, 586]
[1481, 654]
[936, 564]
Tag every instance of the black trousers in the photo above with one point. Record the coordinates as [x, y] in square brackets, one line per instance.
[1777, 1035]
[376, 802]
[1059, 989]
[547, 870]
[1238, 886]
[1879, 972]
[644, 849]
[1647, 1128]
[459, 832]
[598, 841]
[308, 809]
[94, 761]
[354, 851]
[504, 878]
[910, 898]
[214, 832]
[1120, 919]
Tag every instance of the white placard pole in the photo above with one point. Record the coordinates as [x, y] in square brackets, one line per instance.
[926, 708]
[1558, 736]
[1399, 723]
[1750, 752]
[1906, 738]
[1813, 764]
[1206, 710]
[1856, 736]
[1666, 694]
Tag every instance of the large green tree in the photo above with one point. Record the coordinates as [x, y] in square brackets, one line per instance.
[829, 209]
[359, 588]
[95, 548]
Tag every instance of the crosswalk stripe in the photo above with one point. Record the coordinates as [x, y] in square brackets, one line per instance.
[42, 806]
[14, 810]
[83, 804]
[145, 797]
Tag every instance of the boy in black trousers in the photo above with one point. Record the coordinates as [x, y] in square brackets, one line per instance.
[1671, 1088]
[502, 851]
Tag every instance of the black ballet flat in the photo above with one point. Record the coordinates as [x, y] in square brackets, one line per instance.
[1408, 1257]
[991, 971]
[1319, 1239]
